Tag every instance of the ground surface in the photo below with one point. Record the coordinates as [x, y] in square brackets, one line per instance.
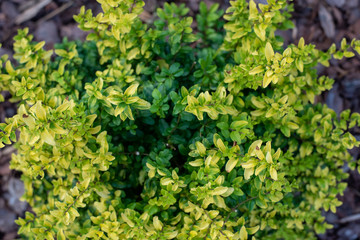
[319, 21]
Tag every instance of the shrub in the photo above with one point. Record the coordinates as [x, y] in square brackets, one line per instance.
[159, 132]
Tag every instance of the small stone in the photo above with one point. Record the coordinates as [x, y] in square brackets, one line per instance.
[47, 32]
[7, 219]
[15, 192]
[353, 15]
[72, 32]
[351, 88]
[4, 169]
[333, 99]
[9, 9]
[10, 112]
[331, 218]
[10, 236]
[2, 203]
[352, 3]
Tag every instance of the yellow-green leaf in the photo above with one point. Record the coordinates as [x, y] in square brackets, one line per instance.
[131, 90]
[249, 164]
[248, 173]
[259, 154]
[157, 223]
[200, 148]
[39, 45]
[277, 154]
[252, 230]
[231, 164]
[257, 103]
[253, 146]
[269, 158]
[259, 169]
[127, 220]
[269, 52]
[260, 31]
[9, 67]
[197, 163]
[292, 125]
[253, 12]
[273, 173]
[132, 54]
[219, 190]
[40, 111]
[301, 43]
[299, 64]
[266, 80]
[47, 137]
[256, 70]
[220, 145]
[243, 233]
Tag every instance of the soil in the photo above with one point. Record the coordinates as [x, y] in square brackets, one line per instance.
[320, 22]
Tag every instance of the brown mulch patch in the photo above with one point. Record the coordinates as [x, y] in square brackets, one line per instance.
[321, 22]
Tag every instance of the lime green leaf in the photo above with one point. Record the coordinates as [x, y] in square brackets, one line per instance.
[231, 164]
[220, 145]
[256, 70]
[47, 137]
[255, 145]
[266, 80]
[131, 90]
[249, 164]
[238, 124]
[253, 10]
[200, 148]
[248, 173]
[269, 52]
[301, 43]
[157, 223]
[133, 53]
[260, 31]
[259, 169]
[127, 220]
[273, 173]
[299, 65]
[269, 158]
[40, 111]
[219, 190]
[243, 233]
[257, 103]
[252, 230]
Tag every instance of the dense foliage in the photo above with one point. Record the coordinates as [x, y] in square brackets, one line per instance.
[161, 132]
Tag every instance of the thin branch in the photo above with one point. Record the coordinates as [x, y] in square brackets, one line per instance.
[55, 12]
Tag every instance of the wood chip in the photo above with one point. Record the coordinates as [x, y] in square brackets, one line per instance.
[146, 17]
[55, 12]
[351, 218]
[326, 22]
[31, 12]
[8, 150]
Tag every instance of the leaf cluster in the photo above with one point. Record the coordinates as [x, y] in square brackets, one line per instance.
[162, 132]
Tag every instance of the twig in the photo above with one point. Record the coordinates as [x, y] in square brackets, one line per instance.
[55, 12]
[31, 12]
[351, 218]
